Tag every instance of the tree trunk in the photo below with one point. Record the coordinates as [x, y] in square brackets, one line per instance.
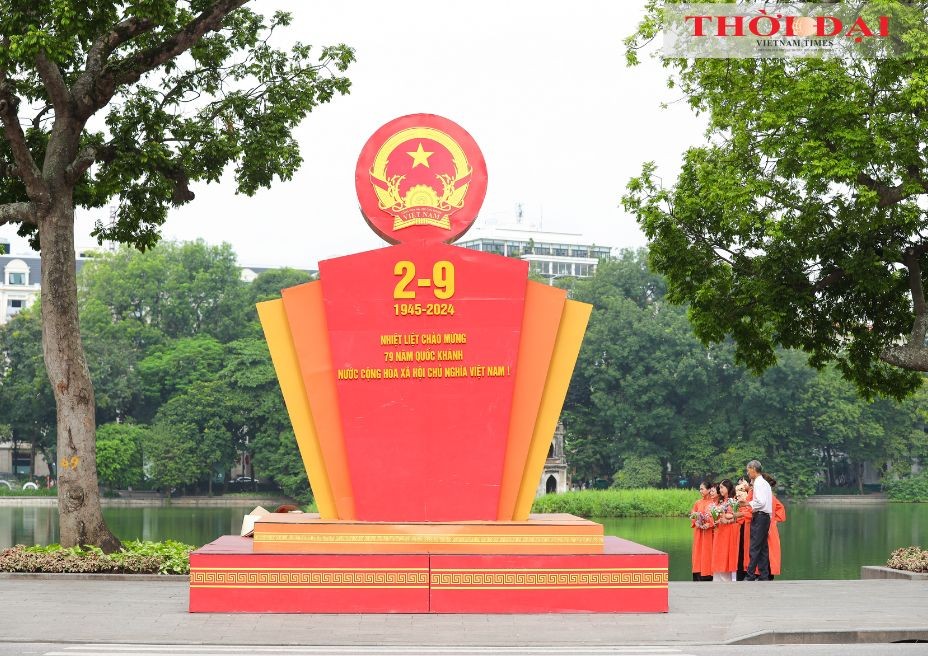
[80, 516]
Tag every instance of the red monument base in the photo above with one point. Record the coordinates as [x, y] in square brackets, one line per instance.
[227, 576]
[547, 534]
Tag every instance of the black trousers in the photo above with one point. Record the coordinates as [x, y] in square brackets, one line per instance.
[759, 563]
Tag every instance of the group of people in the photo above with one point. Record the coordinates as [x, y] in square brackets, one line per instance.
[735, 535]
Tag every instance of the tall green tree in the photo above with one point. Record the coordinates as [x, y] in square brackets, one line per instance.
[138, 101]
[269, 438]
[119, 454]
[648, 402]
[210, 417]
[644, 387]
[800, 222]
[28, 407]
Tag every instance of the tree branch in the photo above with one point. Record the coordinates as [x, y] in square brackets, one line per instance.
[101, 49]
[8, 169]
[26, 168]
[37, 121]
[181, 182]
[828, 280]
[17, 213]
[54, 83]
[889, 194]
[131, 69]
[84, 160]
[913, 354]
[910, 259]
[107, 153]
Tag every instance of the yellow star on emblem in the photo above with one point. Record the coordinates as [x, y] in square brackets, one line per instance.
[420, 156]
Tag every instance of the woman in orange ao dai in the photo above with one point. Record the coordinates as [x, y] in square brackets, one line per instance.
[773, 537]
[702, 524]
[725, 542]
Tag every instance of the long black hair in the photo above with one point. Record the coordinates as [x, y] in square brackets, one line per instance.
[728, 485]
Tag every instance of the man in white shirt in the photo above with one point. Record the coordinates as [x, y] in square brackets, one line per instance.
[758, 568]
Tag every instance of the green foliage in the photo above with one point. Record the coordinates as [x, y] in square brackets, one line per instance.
[25, 395]
[638, 472]
[174, 556]
[184, 381]
[136, 557]
[268, 284]
[799, 223]
[912, 488]
[119, 454]
[208, 297]
[17, 491]
[277, 456]
[645, 388]
[646, 394]
[644, 502]
[175, 107]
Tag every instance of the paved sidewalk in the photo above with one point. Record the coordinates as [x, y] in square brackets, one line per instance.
[120, 611]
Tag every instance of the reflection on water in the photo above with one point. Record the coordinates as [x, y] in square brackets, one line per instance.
[39, 525]
[819, 542]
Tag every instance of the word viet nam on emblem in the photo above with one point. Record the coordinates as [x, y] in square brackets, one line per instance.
[420, 176]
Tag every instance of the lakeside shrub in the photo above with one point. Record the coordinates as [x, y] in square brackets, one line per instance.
[910, 559]
[17, 491]
[639, 502]
[912, 488]
[136, 557]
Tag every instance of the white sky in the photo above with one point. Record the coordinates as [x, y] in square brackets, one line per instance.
[542, 86]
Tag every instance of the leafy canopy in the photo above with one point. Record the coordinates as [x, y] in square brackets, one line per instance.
[800, 222]
[648, 402]
[164, 93]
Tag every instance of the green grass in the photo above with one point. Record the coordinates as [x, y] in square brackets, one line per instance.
[17, 491]
[253, 495]
[644, 502]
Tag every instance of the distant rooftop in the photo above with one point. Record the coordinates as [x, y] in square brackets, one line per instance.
[523, 234]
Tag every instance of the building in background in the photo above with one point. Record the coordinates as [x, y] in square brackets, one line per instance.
[550, 254]
[21, 275]
[21, 460]
[555, 479]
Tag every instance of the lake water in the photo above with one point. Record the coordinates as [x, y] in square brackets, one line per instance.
[819, 542]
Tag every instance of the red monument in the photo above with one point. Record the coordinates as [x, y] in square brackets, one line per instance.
[424, 382]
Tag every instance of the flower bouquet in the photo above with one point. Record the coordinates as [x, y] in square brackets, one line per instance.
[702, 520]
[715, 511]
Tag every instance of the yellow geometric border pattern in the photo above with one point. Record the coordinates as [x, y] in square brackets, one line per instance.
[341, 538]
[417, 578]
[470, 579]
[231, 577]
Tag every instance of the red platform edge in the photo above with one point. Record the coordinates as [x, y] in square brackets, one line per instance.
[227, 577]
